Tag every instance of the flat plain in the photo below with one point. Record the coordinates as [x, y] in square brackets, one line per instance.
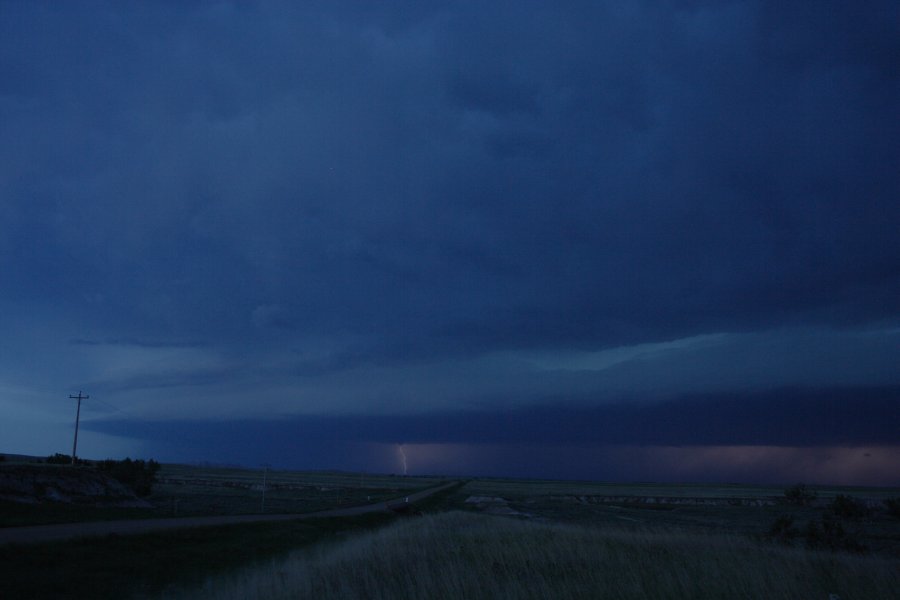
[676, 537]
[725, 508]
[502, 538]
[210, 490]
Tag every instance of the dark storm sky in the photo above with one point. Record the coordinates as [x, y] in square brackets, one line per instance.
[258, 230]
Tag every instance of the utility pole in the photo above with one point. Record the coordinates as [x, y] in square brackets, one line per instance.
[79, 397]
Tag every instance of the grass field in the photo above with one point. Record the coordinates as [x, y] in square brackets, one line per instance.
[571, 539]
[464, 555]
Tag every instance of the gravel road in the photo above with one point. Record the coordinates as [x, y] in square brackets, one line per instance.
[67, 531]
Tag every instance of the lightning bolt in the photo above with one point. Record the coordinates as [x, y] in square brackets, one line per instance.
[402, 452]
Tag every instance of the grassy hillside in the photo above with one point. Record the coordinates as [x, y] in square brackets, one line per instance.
[464, 555]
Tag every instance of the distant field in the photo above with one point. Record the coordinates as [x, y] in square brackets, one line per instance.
[192, 490]
[736, 509]
[188, 490]
[519, 488]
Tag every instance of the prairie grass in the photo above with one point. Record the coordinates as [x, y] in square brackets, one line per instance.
[465, 555]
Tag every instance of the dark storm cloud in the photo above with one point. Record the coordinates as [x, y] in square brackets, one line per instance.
[469, 176]
[391, 208]
[783, 417]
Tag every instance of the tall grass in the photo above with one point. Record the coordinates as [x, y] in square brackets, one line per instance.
[462, 555]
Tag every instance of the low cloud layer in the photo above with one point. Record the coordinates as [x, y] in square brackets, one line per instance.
[783, 417]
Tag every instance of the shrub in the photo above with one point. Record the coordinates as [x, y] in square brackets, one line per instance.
[827, 534]
[783, 530]
[63, 459]
[799, 495]
[893, 507]
[136, 474]
[831, 535]
[847, 507]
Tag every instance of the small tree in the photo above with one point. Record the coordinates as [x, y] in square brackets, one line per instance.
[847, 507]
[63, 459]
[136, 474]
[799, 495]
[783, 530]
[893, 507]
[831, 535]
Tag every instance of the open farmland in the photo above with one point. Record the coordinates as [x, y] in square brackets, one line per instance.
[558, 539]
[732, 508]
[484, 538]
[187, 490]
[201, 490]
[520, 488]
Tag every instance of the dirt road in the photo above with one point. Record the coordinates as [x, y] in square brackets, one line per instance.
[67, 531]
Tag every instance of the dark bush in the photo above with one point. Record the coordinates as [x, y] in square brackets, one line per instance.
[799, 495]
[136, 474]
[783, 530]
[831, 535]
[63, 459]
[847, 507]
[893, 507]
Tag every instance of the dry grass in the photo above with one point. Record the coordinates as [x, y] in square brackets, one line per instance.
[462, 555]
